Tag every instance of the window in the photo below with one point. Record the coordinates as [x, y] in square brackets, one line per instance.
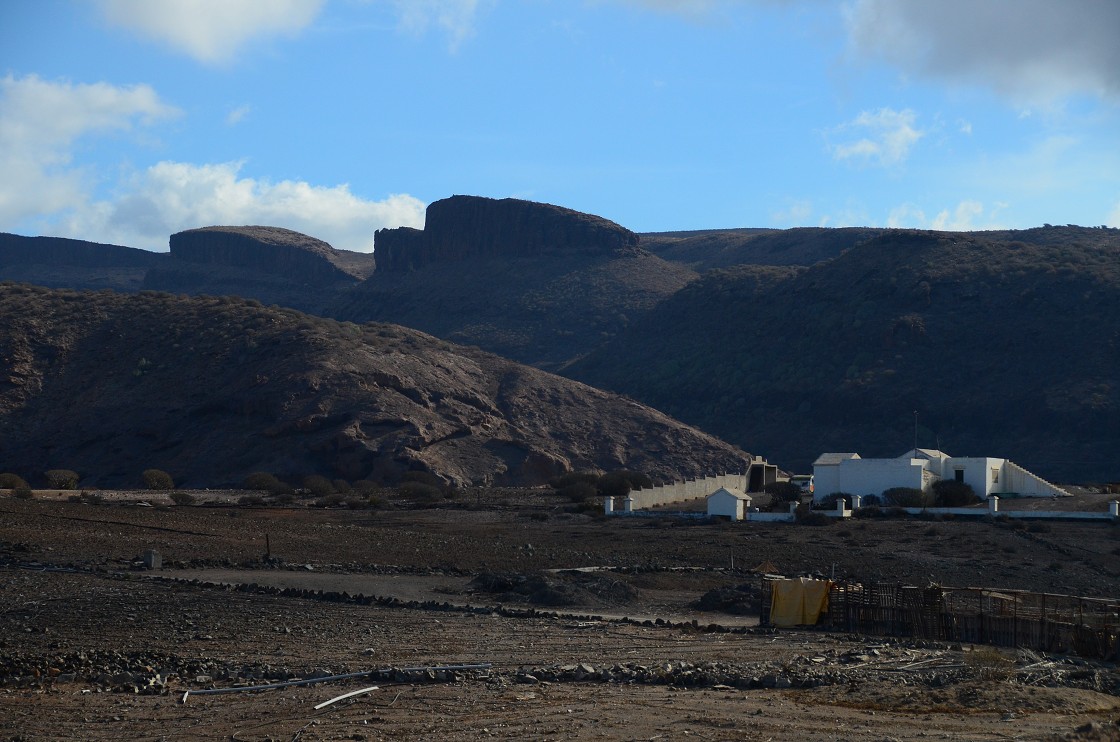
[995, 476]
[958, 475]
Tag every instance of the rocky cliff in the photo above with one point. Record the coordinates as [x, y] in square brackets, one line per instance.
[302, 259]
[273, 265]
[471, 227]
[61, 262]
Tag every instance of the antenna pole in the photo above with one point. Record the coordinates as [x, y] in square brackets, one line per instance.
[915, 432]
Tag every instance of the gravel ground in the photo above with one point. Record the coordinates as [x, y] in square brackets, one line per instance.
[91, 648]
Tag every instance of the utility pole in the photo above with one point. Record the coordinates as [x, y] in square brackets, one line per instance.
[915, 432]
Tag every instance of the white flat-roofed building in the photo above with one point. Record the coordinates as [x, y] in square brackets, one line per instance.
[920, 468]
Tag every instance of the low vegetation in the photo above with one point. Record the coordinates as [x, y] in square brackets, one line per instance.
[9, 481]
[157, 479]
[61, 479]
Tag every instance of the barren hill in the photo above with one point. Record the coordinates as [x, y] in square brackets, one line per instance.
[212, 389]
[1005, 344]
[722, 248]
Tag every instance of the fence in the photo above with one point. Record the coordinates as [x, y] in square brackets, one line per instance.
[1047, 622]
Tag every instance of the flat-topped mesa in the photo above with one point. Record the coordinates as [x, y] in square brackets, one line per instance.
[60, 251]
[470, 227]
[270, 250]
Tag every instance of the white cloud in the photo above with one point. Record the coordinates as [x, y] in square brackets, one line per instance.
[211, 31]
[961, 219]
[172, 196]
[889, 136]
[797, 214]
[455, 17]
[237, 115]
[967, 216]
[1030, 50]
[40, 122]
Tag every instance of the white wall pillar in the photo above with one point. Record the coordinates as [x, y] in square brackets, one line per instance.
[608, 505]
[993, 504]
[1114, 508]
[857, 501]
[628, 505]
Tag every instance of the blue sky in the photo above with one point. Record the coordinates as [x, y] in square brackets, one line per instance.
[124, 121]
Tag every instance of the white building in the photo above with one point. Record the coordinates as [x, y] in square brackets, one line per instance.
[919, 468]
[729, 503]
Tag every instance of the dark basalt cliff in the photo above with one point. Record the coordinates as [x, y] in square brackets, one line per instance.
[471, 227]
[62, 262]
[283, 252]
[273, 265]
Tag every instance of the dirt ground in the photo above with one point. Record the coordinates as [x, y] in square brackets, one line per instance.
[93, 647]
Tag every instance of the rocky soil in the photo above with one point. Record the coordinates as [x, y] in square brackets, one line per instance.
[95, 647]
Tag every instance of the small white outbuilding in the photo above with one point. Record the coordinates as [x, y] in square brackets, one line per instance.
[728, 503]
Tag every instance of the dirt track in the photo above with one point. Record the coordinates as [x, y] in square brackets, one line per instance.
[103, 637]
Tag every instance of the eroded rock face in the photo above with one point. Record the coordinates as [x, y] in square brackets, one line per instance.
[270, 250]
[465, 227]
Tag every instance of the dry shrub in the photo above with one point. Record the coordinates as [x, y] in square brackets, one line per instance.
[990, 663]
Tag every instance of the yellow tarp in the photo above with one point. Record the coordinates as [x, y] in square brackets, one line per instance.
[798, 602]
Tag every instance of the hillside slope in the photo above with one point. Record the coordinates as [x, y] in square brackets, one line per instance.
[533, 282]
[210, 390]
[1006, 347]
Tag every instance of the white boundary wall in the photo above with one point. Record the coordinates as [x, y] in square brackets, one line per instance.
[694, 489]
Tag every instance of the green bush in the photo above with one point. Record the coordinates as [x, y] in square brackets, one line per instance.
[782, 494]
[949, 493]
[9, 481]
[61, 479]
[575, 477]
[578, 491]
[341, 485]
[263, 481]
[422, 493]
[23, 492]
[829, 502]
[619, 483]
[808, 517]
[907, 497]
[157, 479]
[182, 498]
[318, 485]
